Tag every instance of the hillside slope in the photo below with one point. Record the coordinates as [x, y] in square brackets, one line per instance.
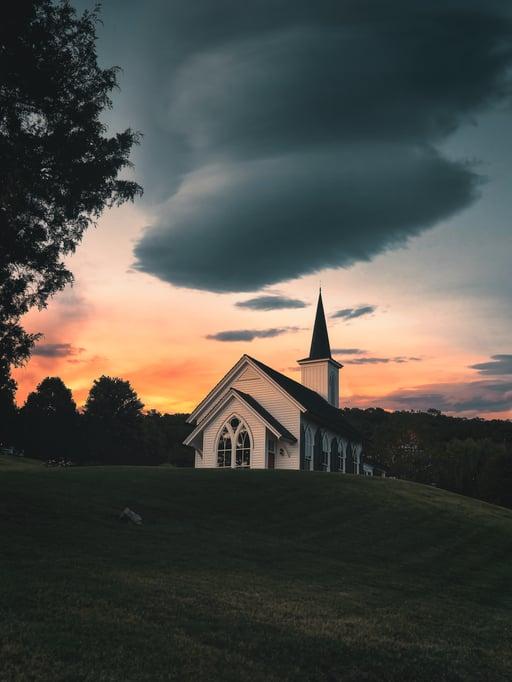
[248, 575]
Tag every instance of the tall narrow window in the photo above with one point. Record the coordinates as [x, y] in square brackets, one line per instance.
[243, 448]
[271, 452]
[324, 461]
[308, 450]
[234, 436]
[332, 389]
[334, 463]
[342, 456]
[224, 448]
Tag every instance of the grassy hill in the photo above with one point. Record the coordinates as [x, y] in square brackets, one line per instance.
[248, 575]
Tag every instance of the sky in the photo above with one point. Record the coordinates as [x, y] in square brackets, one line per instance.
[360, 144]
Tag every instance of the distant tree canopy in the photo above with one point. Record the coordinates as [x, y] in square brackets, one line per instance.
[52, 398]
[114, 424]
[113, 398]
[50, 420]
[468, 456]
[59, 167]
[111, 429]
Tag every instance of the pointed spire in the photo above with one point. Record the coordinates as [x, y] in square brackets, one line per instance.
[320, 346]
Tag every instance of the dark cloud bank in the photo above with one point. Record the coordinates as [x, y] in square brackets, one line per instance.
[282, 137]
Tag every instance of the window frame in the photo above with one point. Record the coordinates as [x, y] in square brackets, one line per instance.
[309, 446]
[325, 458]
[234, 434]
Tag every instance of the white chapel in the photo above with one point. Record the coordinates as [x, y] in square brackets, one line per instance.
[258, 418]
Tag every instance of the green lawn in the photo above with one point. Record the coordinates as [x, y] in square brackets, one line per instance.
[248, 575]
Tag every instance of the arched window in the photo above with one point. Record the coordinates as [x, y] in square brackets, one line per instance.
[356, 454]
[349, 460]
[308, 449]
[234, 436]
[324, 460]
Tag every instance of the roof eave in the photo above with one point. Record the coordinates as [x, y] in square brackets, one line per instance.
[306, 361]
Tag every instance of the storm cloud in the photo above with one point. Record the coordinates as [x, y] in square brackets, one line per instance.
[271, 302]
[282, 137]
[250, 334]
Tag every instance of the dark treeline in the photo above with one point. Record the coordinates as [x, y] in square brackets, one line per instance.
[468, 456]
[111, 429]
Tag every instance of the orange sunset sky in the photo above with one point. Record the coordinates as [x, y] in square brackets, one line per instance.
[120, 322]
[239, 174]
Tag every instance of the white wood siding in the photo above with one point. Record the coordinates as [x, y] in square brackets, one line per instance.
[281, 408]
[316, 376]
[211, 433]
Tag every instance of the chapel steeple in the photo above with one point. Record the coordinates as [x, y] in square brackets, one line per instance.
[320, 346]
[319, 371]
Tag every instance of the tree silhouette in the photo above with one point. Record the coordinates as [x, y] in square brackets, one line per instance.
[7, 405]
[113, 398]
[114, 423]
[50, 421]
[59, 167]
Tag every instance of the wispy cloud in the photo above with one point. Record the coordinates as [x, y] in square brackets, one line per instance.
[497, 365]
[271, 303]
[56, 350]
[471, 398]
[379, 361]
[353, 313]
[250, 334]
[348, 351]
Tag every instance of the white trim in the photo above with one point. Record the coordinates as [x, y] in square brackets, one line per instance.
[232, 393]
[214, 393]
[193, 415]
[233, 438]
[308, 361]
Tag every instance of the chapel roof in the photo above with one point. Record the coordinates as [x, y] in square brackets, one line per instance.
[283, 431]
[316, 407]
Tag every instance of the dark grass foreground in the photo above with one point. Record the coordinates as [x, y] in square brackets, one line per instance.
[248, 575]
